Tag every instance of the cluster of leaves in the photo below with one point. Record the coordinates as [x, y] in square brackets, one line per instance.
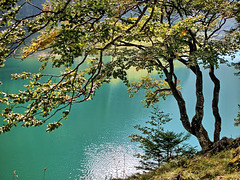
[66, 30]
[46, 98]
[160, 146]
[154, 89]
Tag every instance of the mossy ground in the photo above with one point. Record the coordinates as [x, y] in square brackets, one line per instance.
[222, 165]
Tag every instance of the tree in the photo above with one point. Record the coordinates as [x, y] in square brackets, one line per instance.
[146, 34]
[160, 146]
[237, 65]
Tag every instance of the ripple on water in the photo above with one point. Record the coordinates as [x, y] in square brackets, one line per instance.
[108, 160]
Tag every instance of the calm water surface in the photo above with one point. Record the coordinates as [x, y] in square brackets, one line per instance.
[94, 143]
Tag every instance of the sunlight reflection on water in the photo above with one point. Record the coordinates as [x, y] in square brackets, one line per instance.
[108, 161]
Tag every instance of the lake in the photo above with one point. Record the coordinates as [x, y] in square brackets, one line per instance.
[94, 143]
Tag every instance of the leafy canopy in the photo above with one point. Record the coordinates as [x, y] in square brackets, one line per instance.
[146, 34]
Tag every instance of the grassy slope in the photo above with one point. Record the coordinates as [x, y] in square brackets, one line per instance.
[206, 166]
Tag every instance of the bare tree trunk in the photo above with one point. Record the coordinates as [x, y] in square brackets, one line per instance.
[198, 117]
[201, 132]
[195, 128]
[196, 124]
[215, 101]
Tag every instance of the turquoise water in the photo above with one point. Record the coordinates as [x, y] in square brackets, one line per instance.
[94, 143]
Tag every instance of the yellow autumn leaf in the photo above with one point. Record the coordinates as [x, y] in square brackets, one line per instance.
[42, 43]
[183, 33]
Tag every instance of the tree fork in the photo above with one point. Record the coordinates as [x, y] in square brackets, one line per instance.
[203, 139]
[196, 124]
[201, 132]
[195, 128]
[177, 95]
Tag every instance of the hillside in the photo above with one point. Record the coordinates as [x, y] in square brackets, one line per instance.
[211, 165]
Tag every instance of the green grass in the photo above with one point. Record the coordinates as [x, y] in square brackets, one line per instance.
[206, 166]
